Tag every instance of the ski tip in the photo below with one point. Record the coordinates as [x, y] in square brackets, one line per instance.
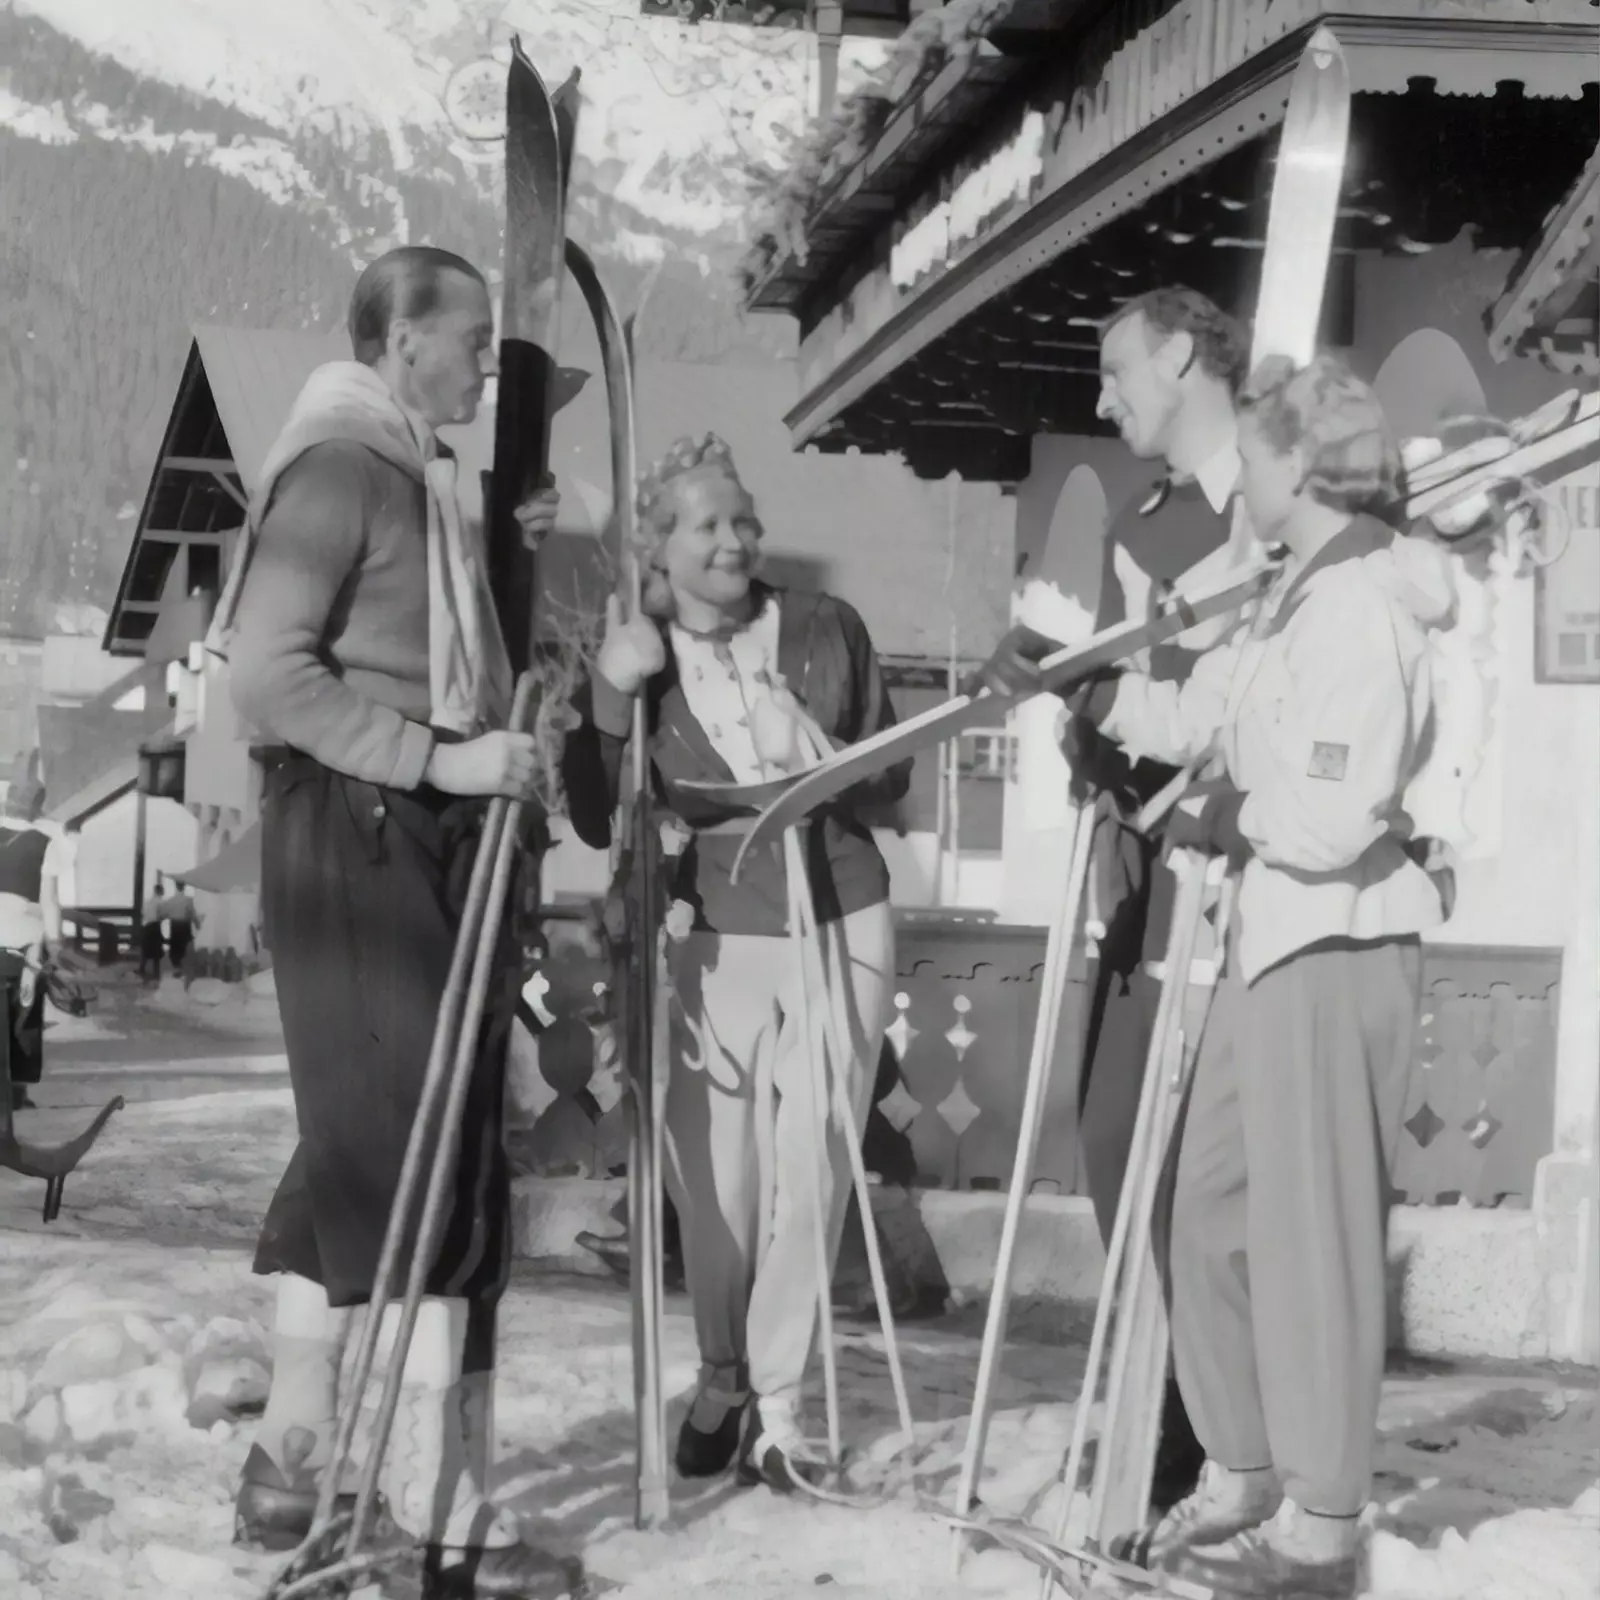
[1324, 48]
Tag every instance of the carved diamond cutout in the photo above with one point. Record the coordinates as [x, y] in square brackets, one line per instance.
[961, 1036]
[1425, 1124]
[900, 1033]
[898, 1108]
[1487, 1051]
[1481, 1128]
[958, 1110]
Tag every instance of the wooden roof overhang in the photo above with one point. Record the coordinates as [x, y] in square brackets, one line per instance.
[1551, 308]
[1466, 114]
[930, 126]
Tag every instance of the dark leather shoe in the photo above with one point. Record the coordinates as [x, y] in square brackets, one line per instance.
[273, 1511]
[704, 1454]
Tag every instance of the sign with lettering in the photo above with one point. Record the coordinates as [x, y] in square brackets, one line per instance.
[1567, 592]
[1118, 81]
[974, 197]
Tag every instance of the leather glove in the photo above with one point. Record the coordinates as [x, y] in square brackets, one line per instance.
[1014, 666]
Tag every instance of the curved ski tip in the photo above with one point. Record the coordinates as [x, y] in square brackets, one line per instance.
[1324, 48]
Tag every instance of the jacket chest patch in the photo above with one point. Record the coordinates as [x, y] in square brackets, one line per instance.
[1329, 761]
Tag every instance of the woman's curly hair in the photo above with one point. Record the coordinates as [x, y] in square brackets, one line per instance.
[657, 511]
[1352, 459]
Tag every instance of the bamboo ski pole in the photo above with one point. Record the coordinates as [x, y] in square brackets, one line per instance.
[645, 1210]
[816, 1093]
[1127, 1257]
[434, 1083]
[840, 1056]
[1047, 1027]
[503, 842]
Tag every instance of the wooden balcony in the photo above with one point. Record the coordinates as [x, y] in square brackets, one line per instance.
[959, 319]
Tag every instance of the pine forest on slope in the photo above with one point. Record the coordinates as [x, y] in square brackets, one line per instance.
[137, 209]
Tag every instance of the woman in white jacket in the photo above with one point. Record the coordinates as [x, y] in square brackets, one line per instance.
[1318, 709]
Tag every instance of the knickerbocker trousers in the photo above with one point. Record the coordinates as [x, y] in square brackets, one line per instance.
[363, 889]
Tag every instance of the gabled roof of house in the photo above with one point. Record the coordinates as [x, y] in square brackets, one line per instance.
[254, 375]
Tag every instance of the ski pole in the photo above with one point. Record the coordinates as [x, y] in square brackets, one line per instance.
[445, 1033]
[1126, 1255]
[817, 1103]
[841, 1055]
[1047, 1027]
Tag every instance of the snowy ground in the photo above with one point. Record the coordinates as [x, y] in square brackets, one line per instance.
[131, 1326]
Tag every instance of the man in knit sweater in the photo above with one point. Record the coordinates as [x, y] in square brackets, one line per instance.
[1170, 365]
[365, 652]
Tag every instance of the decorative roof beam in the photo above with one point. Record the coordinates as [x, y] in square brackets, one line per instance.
[1557, 271]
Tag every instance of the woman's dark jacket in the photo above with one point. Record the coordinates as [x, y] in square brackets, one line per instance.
[826, 658]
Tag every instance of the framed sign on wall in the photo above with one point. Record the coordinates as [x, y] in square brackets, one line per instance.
[1567, 592]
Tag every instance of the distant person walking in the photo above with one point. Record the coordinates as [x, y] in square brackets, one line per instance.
[183, 920]
[152, 942]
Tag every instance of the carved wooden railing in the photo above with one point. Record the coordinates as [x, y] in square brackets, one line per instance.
[949, 1093]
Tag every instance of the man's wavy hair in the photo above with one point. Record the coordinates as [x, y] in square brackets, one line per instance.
[657, 509]
[1352, 459]
[1221, 347]
[406, 283]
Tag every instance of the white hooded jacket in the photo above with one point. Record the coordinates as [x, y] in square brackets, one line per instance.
[1320, 711]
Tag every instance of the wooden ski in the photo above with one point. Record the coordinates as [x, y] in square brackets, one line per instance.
[789, 800]
[537, 157]
[644, 1001]
[534, 264]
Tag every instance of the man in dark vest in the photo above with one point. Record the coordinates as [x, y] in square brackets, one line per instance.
[1170, 365]
[30, 923]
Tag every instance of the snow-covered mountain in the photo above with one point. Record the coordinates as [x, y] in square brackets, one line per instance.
[167, 162]
[674, 115]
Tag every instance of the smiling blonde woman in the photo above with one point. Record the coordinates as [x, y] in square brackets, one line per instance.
[730, 667]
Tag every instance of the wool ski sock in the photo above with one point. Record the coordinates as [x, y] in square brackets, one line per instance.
[429, 1480]
[308, 1340]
